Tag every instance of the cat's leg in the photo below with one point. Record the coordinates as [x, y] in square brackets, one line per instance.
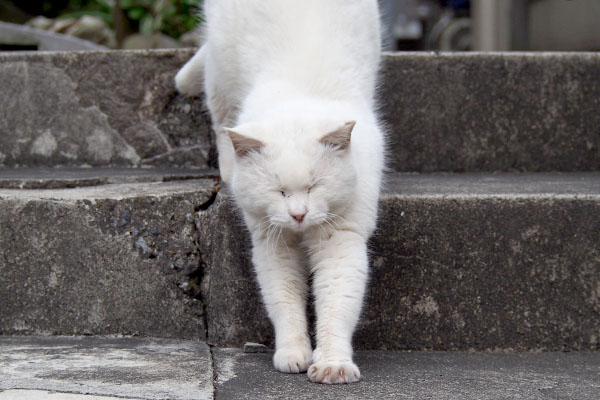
[226, 154]
[340, 272]
[223, 113]
[189, 81]
[282, 278]
[194, 77]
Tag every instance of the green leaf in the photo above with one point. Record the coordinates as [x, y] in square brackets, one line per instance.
[137, 13]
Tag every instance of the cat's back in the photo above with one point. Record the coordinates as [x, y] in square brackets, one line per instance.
[303, 40]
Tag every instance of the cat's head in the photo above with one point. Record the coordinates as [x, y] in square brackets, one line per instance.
[293, 177]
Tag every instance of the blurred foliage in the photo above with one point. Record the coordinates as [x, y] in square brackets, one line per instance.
[171, 17]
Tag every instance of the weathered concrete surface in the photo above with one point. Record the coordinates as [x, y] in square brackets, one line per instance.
[23, 394]
[444, 112]
[469, 261]
[99, 109]
[498, 262]
[83, 368]
[111, 259]
[420, 375]
[64, 178]
[492, 111]
[120, 367]
[235, 313]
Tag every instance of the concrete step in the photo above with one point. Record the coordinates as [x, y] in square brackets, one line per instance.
[132, 368]
[444, 112]
[116, 256]
[469, 112]
[65, 178]
[90, 368]
[460, 261]
[465, 261]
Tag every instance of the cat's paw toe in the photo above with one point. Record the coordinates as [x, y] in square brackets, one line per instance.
[292, 360]
[333, 372]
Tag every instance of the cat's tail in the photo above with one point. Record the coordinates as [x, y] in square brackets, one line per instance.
[189, 80]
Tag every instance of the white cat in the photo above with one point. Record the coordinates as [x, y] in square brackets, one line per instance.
[290, 86]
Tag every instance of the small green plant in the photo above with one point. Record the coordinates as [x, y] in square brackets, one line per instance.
[171, 17]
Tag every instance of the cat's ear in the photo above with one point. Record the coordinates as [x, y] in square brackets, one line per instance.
[242, 144]
[339, 138]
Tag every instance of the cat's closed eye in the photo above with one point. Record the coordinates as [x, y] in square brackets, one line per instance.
[317, 182]
[308, 189]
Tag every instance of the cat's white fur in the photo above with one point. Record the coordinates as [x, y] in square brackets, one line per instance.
[290, 86]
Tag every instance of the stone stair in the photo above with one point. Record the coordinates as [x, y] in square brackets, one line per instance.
[93, 368]
[489, 235]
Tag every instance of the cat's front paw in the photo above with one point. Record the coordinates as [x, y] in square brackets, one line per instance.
[333, 372]
[292, 360]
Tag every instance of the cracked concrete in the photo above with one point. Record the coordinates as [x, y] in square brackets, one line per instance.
[69, 116]
[469, 112]
[420, 375]
[478, 261]
[65, 178]
[119, 258]
[41, 129]
[469, 261]
[444, 112]
[133, 368]
[86, 368]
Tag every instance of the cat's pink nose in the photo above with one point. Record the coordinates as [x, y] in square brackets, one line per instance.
[298, 217]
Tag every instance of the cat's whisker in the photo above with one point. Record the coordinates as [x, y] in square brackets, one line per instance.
[263, 226]
[275, 237]
[322, 228]
[263, 220]
[330, 223]
[270, 237]
[335, 218]
[283, 240]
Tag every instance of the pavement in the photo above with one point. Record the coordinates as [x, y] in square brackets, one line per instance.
[100, 368]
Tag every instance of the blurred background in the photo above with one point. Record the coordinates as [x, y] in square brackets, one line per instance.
[411, 25]
[492, 25]
[116, 24]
